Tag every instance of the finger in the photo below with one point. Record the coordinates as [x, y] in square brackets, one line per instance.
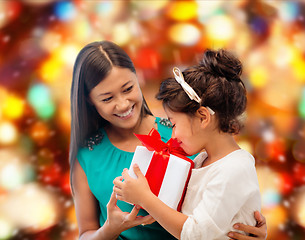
[149, 220]
[118, 181]
[238, 236]
[145, 220]
[260, 219]
[134, 212]
[125, 174]
[117, 191]
[137, 171]
[112, 202]
[248, 229]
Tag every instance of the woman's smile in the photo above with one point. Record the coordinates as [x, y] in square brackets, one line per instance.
[125, 115]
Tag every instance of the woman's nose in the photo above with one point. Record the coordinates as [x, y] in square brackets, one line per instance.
[122, 104]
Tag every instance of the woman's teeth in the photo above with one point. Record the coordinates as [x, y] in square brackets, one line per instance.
[125, 113]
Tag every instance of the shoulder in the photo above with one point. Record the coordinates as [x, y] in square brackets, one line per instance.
[237, 165]
[89, 145]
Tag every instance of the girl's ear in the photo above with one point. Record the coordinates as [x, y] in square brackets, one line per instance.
[204, 115]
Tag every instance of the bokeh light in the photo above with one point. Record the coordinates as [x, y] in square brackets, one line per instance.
[32, 208]
[8, 133]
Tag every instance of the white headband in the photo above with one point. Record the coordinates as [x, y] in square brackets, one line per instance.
[187, 88]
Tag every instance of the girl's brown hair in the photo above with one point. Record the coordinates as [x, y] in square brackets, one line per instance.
[216, 80]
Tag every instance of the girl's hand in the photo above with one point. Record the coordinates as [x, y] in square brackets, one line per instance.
[257, 232]
[119, 221]
[131, 190]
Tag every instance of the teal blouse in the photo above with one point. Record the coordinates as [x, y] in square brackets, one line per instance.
[102, 163]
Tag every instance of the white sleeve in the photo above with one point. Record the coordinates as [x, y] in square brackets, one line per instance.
[225, 194]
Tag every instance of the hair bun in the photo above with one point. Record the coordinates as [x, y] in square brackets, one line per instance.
[223, 64]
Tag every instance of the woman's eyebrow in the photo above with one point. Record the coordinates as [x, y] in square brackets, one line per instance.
[124, 85]
[107, 93]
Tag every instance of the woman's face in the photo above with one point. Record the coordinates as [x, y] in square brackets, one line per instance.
[186, 130]
[118, 98]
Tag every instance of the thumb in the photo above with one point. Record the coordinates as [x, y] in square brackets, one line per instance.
[113, 200]
[257, 216]
[137, 171]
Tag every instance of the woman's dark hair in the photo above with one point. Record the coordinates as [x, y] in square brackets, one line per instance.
[216, 80]
[93, 63]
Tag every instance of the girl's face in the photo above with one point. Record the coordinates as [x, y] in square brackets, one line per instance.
[186, 130]
[118, 98]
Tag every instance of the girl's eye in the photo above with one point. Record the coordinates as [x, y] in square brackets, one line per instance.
[173, 125]
[128, 89]
[107, 99]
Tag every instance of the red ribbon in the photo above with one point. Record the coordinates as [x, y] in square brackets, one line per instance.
[157, 168]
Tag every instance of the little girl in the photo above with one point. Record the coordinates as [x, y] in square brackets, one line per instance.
[204, 105]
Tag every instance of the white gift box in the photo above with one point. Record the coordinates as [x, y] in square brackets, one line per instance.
[175, 178]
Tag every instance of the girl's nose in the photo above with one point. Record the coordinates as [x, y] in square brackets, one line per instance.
[173, 134]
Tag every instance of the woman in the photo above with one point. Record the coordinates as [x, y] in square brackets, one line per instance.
[107, 107]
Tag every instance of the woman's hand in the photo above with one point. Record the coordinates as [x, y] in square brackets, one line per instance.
[117, 220]
[257, 232]
[131, 190]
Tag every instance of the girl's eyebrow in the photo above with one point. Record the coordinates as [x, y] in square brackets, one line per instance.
[107, 93]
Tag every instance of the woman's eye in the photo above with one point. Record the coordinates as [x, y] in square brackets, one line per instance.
[107, 99]
[128, 89]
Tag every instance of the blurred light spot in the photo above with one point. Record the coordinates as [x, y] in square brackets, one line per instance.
[8, 133]
[269, 184]
[51, 70]
[13, 107]
[40, 99]
[206, 9]
[183, 11]
[82, 29]
[50, 41]
[258, 77]
[68, 54]
[11, 176]
[121, 34]
[299, 173]
[298, 66]
[275, 217]
[14, 171]
[184, 34]
[301, 106]
[288, 10]
[32, 208]
[104, 7]
[298, 210]
[6, 229]
[270, 198]
[65, 10]
[148, 9]
[220, 29]
[40, 132]
[298, 151]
